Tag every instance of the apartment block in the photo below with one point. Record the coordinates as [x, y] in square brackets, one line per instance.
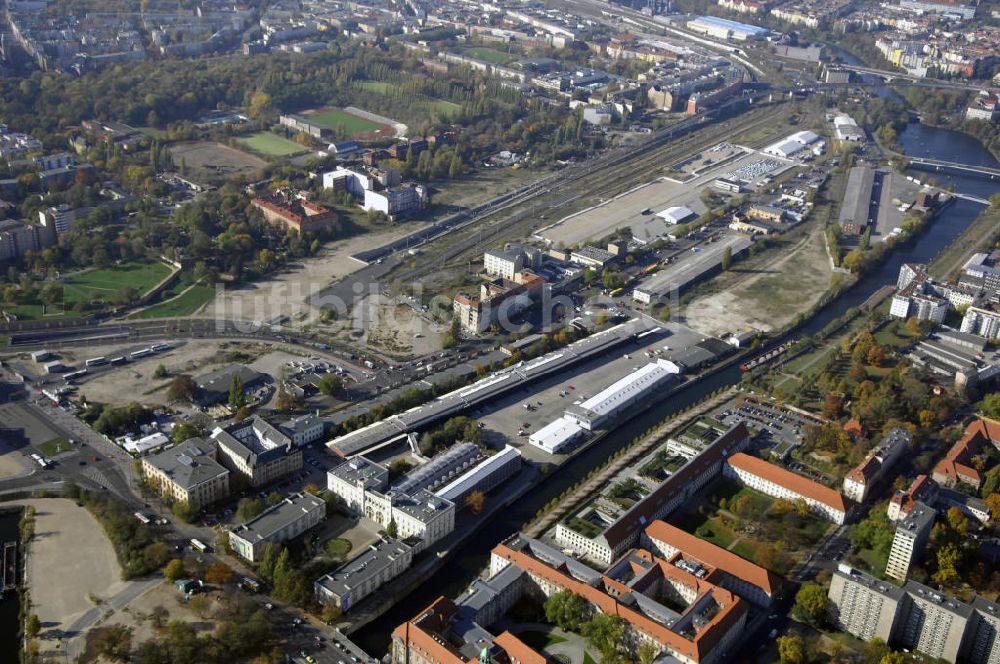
[909, 540]
[863, 606]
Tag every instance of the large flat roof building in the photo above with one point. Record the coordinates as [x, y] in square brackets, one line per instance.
[258, 451]
[638, 385]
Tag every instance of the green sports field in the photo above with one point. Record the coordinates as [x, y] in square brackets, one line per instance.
[335, 119]
[490, 55]
[270, 144]
[184, 304]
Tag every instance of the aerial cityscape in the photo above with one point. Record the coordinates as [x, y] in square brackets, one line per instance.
[516, 332]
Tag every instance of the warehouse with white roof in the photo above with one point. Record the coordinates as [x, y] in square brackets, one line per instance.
[557, 435]
[593, 412]
[677, 214]
[792, 145]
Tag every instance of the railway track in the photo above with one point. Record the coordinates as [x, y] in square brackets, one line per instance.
[605, 176]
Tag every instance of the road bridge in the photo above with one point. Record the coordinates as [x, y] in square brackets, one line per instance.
[954, 168]
[889, 76]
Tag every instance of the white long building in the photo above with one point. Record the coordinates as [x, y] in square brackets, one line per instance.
[623, 393]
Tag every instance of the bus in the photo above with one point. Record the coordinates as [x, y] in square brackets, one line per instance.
[142, 518]
[198, 545]
[615, 292]
[249, 584]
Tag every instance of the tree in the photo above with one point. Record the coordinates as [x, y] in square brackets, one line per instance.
[330, 385]
[184, 511]
[174, 570]
[248, 508]
[160, 372]
[237, 394]
[605, 634]
[993, 504]
[182, 388]
[957, 521]
[200, 605]
[990, 405]
[566, 610]
[791, 649]
[274, 498]
[727, 258]
[475, 501]
[219, 574]
[893, 658]
[32, 626]
[647, 653]
[183, 431]
[158, 616]
[810, 603]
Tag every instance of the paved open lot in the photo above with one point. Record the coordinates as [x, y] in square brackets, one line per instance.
[28, 424]
[896, 189]
[626, 209]
[503, 419]
[70, 560]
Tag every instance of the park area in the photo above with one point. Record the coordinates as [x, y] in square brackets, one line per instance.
[764, 530]
[490, 55]
[209, 159]
[176, 301]
[271, 145]
[120, 284]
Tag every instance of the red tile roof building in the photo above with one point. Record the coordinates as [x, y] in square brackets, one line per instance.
[780, 483]
[298, 214]
[956, 466]
[923, 490]
[751, 582]
[661, 501]
[859, 481]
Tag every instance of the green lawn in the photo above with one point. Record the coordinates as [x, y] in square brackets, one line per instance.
[375, 86]
[490, 55]
[587, 659]
[540, 640]
[51, 448]
[746, 549]
[336, 119]
[338, 548]
[270, 144]
[444, 107]
[183, 305]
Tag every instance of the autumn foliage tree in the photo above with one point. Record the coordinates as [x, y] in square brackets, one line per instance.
[475, 501]
[219, 574]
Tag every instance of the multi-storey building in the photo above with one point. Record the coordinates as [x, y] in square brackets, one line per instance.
[364, 574]
[859, 481]
[751, 582]
[672, 492]
[257, 450]
[956, 467]
[296, 214]
[780, 483]
[19, 237]
[511, 260]
[922, 490]
[398, 202]
[279, 523]
[915, 617]
[188, 473]
[981, 321]
[863, 606]
[498, 301]
[908, 542]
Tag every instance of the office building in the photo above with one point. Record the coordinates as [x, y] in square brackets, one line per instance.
[295, 213]
[304, 429]
[499, 300]
[780, 483]
[863, 606]
[188, 473]
[363, 574]
[398, 202]
[908, 542]
[257, 450]
[279, 523]
[511, 260]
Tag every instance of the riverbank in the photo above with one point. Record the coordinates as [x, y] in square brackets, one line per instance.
[979, 236]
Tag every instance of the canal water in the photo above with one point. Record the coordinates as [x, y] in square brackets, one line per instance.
[472, 556]
[9, 646]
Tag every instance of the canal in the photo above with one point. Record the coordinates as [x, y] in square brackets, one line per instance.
[472, 556]
[9, 645]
